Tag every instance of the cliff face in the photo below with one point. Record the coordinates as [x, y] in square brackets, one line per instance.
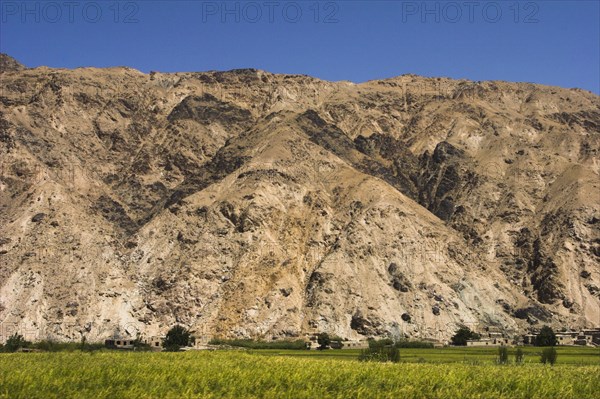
[249, 204]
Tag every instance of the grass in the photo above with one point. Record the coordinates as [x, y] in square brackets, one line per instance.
[474, 355]
[293, 374]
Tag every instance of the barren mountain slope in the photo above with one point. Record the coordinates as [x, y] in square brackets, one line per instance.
[245, 203]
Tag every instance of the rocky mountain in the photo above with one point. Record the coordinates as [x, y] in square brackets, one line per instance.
[250, 204]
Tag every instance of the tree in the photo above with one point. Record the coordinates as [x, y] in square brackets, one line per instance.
[176, 338]
[549, 355]
[546, 337]
[323, 340]
[462, 335]
[519, 356]
[15, 342]
[503, 355]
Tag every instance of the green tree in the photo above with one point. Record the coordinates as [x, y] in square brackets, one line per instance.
[323, 340]
[503, 355]
[519, 356]
[546, 337]
[15, 342]
[176, 338]
[549, 355]
[462, 335]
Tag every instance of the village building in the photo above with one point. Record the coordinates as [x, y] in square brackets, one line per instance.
[566, 337]
[587, 337]
[488, 342]
[336, 344]
[312, 343]
[119, 343]
[355, 345]
[592, 336]
[155, 343]
[491, 336]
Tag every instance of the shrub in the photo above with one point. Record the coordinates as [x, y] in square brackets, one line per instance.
[546, 337]
[394, 355]
[176, 338]
[403, 343]
[51, 346]
[87, 347]
[383, 350]
[252, 344]
[94, 346]
[15, 342]
[519, 356]
[388, 353]
[413, 344]
[503, 355]
[462, 335]
[549, 355]
[375, 344]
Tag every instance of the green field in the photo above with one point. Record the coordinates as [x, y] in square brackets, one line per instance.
[474, 355]
[422, 373]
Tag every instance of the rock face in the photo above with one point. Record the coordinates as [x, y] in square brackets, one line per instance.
[248, 204]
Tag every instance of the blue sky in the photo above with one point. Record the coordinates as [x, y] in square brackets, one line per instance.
[549, 42]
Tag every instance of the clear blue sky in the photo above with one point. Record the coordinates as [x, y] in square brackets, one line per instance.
[549, 42]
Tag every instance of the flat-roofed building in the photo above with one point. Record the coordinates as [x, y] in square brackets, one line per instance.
[501, 341]
[120, 343]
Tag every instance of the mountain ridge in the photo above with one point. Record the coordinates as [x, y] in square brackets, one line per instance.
[251, 204]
